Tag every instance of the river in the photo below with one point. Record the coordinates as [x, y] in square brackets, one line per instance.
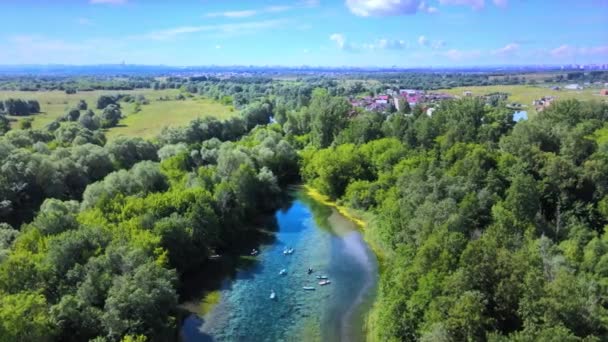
[323, 240]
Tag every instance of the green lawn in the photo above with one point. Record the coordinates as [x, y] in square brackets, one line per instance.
[147, 123]
[526, 94]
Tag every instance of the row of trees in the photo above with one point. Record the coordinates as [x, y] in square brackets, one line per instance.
[19, 107]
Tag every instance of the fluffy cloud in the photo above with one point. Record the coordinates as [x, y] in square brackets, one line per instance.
[366, 8]
[507, 50]
[109, 2]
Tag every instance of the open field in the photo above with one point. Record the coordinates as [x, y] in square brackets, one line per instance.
[146, 123]
[525, 94]
[158, 114]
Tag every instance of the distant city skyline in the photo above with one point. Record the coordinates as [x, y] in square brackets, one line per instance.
[333, 33]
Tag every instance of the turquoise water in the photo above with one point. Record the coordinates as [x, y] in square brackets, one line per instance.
[323, 240]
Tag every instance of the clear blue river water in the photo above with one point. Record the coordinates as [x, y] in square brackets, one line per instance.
[323, 240]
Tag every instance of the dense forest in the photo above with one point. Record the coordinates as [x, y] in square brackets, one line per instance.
[487, 229]
[490, 230]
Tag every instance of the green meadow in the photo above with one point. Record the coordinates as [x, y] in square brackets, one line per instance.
[525, 94]
[146, 123]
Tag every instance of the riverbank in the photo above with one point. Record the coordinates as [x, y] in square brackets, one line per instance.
[364, 222]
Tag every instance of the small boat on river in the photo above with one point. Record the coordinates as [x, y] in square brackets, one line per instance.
[273, 295]
[308, 288]
[288, 251]
[322, 277]
[324, 282]
[283, 272]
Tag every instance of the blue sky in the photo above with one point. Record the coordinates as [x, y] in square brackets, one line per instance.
[406, 33]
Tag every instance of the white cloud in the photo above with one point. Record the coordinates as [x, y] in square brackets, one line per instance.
[339, 39]
[422, 40]
[108, 2]
[218, 47]
[565, 51]
[501, 3]
[434, 44]
[391, 44]
[381, 44]
[507, 50]
[366, 8]
[233, 28]
[234, 14]
[253, 12]
[475, 4]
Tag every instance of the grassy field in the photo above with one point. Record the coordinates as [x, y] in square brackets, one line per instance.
[526, 94]
[147, 123]
[154, 117]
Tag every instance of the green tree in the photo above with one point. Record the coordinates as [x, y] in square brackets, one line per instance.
[24, 317]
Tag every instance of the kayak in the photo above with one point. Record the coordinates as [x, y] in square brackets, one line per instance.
[308, 288]
[324, 282]
[322, 277]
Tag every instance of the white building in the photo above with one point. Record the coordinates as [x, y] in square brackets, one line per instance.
[573, 86]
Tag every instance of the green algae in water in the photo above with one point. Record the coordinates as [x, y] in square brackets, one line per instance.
[209, 302]
[322, 239]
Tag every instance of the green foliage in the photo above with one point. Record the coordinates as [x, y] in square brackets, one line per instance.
[493, 230]
[105, 100]
[26, 123]
[110, 116]
[328, 117]
[4, 125]
[24, 317]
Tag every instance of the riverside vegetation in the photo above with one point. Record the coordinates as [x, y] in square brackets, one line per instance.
[489, 230]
